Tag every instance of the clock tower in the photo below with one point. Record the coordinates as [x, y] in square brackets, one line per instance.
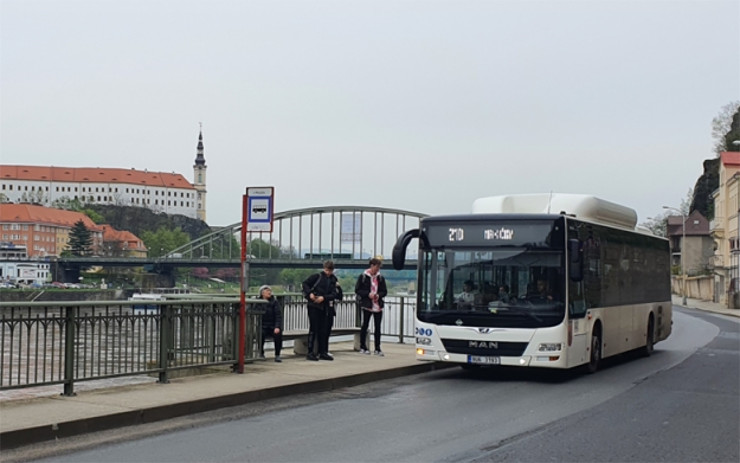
[199, 178]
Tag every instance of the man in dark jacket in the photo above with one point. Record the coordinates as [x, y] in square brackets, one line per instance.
[272, 322]
[320, 289]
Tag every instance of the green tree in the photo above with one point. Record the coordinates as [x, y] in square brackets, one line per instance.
[94, 216]
[262, 249]
[292, 278]
[68, 204]
[164, 240]
[80, 240]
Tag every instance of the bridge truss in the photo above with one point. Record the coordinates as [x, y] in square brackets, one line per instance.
[310, 235]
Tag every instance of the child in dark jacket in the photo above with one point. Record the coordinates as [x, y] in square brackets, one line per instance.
[272, 322]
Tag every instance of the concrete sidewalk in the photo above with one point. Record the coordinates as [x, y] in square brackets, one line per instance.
[25, 421]
[707, 306]
[28, 417]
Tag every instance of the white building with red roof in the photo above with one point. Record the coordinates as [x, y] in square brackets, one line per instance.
[170, 193]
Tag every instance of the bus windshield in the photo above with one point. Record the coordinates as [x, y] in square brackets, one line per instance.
[492, 287]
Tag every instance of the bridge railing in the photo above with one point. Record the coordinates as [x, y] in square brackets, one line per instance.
[398, 315]
[47, 343]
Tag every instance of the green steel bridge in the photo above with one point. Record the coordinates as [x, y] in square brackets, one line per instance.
[301, 238]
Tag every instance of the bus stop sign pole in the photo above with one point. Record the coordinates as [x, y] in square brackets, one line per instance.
[242, 289]
[257, 216]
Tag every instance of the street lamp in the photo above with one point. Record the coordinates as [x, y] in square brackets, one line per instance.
[683, 248]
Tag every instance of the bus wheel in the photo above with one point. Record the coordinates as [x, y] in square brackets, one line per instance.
[649, 339]
[595, 358]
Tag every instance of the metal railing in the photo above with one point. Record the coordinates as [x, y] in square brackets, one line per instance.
[46, 343]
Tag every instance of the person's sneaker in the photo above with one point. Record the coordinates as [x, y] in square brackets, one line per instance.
[278, 359]
[262, 356]
[326, 356]
[311, 356]
[379, 353]
[365, 351]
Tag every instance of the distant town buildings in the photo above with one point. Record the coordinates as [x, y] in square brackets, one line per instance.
[32, 200]
[52, 186]
[121, 243]
[699, 246]
[43, 231]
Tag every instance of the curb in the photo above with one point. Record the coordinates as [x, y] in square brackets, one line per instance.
[22, 437]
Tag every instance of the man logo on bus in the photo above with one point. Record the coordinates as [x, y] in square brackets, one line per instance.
[483, 344]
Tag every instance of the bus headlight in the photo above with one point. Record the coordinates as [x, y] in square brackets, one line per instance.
[550, 347]
[424, 341]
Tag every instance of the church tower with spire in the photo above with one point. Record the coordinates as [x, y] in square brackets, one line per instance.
[199, 177]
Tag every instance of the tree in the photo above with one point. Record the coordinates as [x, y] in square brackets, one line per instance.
[722, 127]
[80, 240]
[725, 130]
[658, 225]
[94, 216]
[292, 278]
[67, 203]
[164, 240]
[33, 197]
[685, 206]
[732, 139]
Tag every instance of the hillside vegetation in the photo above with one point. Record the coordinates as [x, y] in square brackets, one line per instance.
[138, 220]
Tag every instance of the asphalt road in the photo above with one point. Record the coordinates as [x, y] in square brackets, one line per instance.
[681, 404]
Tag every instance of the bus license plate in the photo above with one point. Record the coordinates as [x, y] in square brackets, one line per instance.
[482, 360]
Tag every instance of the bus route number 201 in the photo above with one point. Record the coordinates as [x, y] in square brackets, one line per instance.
[457, 234]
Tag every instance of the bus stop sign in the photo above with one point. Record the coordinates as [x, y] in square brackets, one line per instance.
[259, 207]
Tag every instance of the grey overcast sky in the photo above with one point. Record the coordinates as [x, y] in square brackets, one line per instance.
[415, 105]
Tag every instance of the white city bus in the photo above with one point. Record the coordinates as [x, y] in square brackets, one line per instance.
[552, 281]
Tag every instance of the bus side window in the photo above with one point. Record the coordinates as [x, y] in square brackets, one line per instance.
[578, 308]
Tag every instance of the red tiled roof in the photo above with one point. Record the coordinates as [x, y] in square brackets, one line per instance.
[730, 158]
[94, 174]
[32, 214]
[123, 236]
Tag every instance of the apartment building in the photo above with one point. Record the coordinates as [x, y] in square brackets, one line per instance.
[724, 230]
[43, 231]
[690, 240]
[122, 243]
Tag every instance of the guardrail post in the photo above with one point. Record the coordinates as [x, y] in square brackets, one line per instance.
[400, 321]
[165, 333]
[69, 351]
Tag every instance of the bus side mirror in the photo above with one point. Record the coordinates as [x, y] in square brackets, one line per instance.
[399, 249]
[575, 260]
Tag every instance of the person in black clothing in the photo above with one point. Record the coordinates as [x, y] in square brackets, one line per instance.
[320, 289]
[272, 322]
[332, 313]
[371, 291]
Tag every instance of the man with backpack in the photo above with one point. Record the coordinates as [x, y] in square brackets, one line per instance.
[371, 291]
[320, 289]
